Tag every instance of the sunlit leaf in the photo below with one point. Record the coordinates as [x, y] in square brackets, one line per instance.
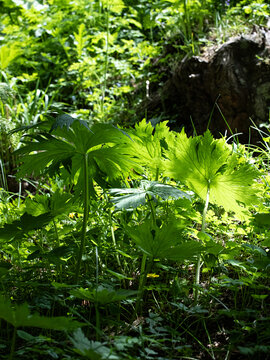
[56, 203]
[201, 161]
[64, 150]
[130, 198]
[114, 5]
[149, 144]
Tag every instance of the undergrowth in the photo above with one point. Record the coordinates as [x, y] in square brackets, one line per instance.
[121, 242]
[136, 244]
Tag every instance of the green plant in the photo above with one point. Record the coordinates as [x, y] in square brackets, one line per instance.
[214, 172]
[20, 316]
[101, 296]
[7, 143]
[147, 193]
[131, 198]
[80, 153]
[101, 61]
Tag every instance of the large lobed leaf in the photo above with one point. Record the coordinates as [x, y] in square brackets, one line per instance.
[20, 316]
[149, 144]
[103, 295]
[135, 197]
[164, 243]
[202, 161]
[18, 228]
[92, 350]
[66, 146]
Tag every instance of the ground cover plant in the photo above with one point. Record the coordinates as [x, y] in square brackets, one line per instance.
[115, 262]
[120, 238]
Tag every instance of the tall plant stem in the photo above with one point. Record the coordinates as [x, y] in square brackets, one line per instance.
[97, 322]
[157, 174]
[198, 268]
[104, 86]
[153, 214]
[97, 266]
[114, 241]
[187, 21]
[12, 350]
[145, 267]
[59, 266]
[85, 216]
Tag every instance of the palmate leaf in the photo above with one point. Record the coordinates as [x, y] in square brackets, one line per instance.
[262, 219]
[93, 350]
[65, 120]
[103, 295]
[150, 143]
[27, 223]
[202, 161]
[164, 243]
[66, 146]
[137, 196]
[20, 316]
[115, 6]
[42, 154]
[56, 203]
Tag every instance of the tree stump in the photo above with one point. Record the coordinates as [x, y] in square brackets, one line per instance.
[223, 89]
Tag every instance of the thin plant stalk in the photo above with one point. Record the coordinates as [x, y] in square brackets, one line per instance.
[97, 267]
[145, 266]
[198, 268]
[153, 214]
[3, 176]
[114, 241]
[104, 85]
[59, 266]
[200, 343]
[141, 284]
[85, 217]
[97, 322]
[187, 21]
[12, 349]
[19, 194]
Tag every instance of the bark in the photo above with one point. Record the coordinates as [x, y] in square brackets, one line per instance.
[231, 82]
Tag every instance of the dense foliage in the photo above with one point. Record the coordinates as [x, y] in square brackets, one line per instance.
[124, 241]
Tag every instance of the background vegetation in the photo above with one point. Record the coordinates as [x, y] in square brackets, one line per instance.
[121, 241]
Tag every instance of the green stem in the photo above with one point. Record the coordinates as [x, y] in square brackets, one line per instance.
[143, 265]
[153, 214]
[114, 241]
[144, 271]
[145, 268]
[97, 322]
[106, 63]
[56, 233]
[97, 266]
[85, 217]
[12, 350]
[157, 174]
[59, 266]
[186, 20]
[198, 268]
